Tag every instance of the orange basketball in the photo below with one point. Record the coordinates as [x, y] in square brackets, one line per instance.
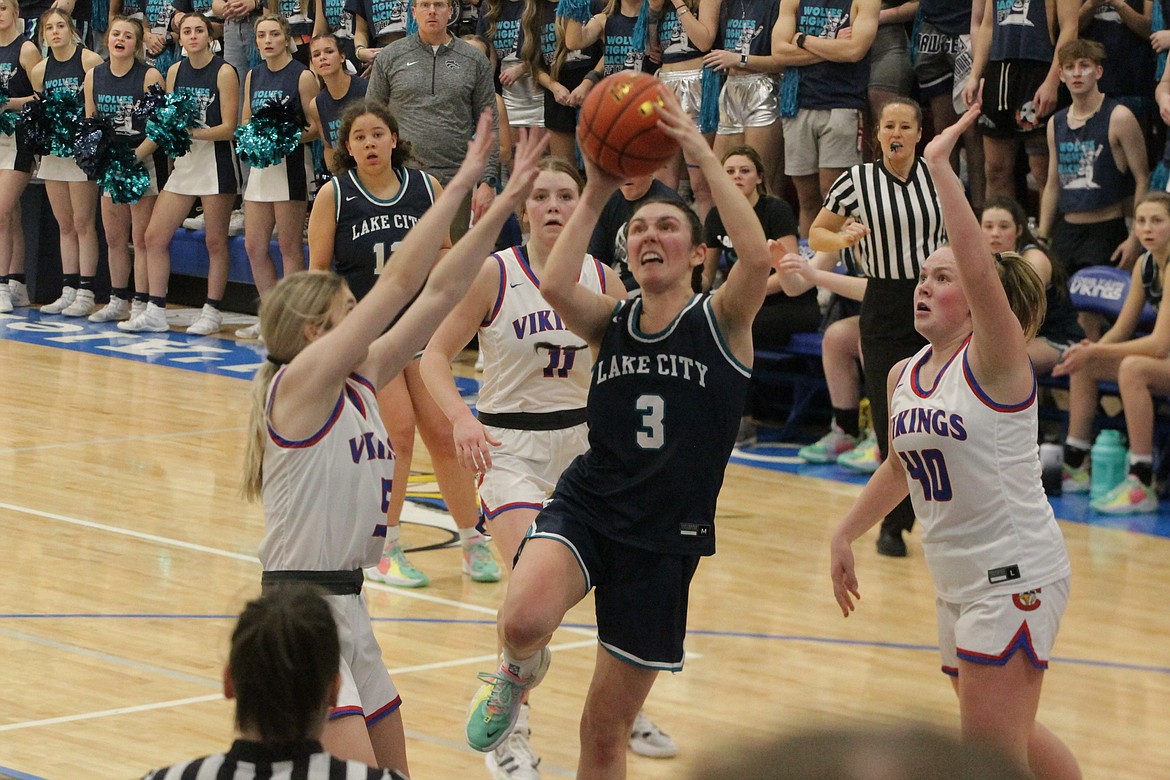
[618, 126]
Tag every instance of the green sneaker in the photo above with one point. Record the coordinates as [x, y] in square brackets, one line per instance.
[865, 457]
[496, 705]
[395, 569]
[829, 447]
[1074, 480]
[478, 561]
[1131, 497]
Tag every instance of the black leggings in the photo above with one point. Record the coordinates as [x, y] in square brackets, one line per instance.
[887, 337]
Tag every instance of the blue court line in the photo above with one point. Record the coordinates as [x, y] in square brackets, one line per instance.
[16, 774]
[716, 634]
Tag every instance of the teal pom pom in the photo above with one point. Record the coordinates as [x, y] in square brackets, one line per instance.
[273, 134]
[579, 10]
[125, 178]
[709, 104]
[170, 124]
[64, 109]
[8, 122]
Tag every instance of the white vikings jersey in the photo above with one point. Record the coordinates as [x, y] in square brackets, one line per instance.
[973, 467]
[325, 496]
[540, 365]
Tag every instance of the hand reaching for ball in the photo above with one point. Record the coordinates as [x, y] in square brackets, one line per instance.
[678, 125]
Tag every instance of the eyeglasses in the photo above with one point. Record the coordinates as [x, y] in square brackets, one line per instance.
[433, 6]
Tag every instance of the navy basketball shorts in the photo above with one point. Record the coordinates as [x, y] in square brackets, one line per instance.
[640, 595]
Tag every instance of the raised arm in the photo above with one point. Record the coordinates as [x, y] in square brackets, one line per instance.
[999, 351]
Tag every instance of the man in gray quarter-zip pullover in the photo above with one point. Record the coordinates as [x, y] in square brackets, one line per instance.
[436, 86]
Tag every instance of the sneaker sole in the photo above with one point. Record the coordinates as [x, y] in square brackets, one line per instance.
[395, 582]
[652, 751]
[480, 577]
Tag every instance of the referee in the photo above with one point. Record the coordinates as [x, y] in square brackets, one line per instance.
[897, 224]
[283, 672]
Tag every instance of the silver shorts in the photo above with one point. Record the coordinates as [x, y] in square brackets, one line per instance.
[525, 103]
[821, 138]
[748, 101]
[687, 86]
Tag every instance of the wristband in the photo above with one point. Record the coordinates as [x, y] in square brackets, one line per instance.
[743, 60]
[681, 9]
[800, 40]
[593, 77]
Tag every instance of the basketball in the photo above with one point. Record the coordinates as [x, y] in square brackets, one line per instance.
[618, 127]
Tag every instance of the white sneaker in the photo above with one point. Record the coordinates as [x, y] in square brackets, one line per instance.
[646, 739]
[153, 320]
[116, 309]
[236, 223]
[195, 223]
[82, 305]
[137, 307]
[208, 322]
[514, 759]
[59, 305]
[252, 332]
[5, 299]
[19, 293]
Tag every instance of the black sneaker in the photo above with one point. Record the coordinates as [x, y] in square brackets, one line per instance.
[891, 543]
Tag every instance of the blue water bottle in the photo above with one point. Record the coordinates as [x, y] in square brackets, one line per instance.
[1109, 463]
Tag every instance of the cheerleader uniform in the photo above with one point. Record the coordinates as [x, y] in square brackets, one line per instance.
[114, 98]
[288, 179]
[210, 167]
[62, 75]
[329, 109]
[17, 85]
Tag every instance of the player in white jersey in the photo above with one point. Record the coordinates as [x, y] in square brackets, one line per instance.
[531, 404]
[318, 455]
[963, 425]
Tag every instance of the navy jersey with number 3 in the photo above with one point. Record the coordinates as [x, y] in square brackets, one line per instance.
[664, 409]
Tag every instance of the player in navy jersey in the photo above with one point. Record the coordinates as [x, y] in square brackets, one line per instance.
[633, 515]
[111, 90]
[358, 221]
[963, 446]
[73, 197]
[318, 455]
[18, 55]
[339, 89]
[208, 171]
[277, 196]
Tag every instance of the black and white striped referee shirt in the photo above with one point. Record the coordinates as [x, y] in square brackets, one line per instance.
[904, 217]
[253, 761]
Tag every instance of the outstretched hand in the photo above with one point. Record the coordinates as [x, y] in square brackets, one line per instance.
[938, 151]
[530, 147]
[479, 151]
[678, 125]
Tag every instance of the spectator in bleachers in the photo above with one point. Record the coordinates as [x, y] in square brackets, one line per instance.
[825, 46]
[111, 90]
[608, 243]
[282, 672]
[239, 32]
[436, 86]
[499, 25]
[203, 8]
[1014, 63]
[840, 356]
[890, 71]
[209, 172]
[277, 196]
[685, 32]
[1138, 364]
[1005, 226]
[942, 64]
[749, 107]
[74, 199]
[566, 75]
[898, 224]
[1097, 161]
[1122, 27]
[614, 28]
[781, 314]
[18, 55]
[373, 26]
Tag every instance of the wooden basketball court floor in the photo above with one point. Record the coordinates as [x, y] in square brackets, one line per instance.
[127, 553]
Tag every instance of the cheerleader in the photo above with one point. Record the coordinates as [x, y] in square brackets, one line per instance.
[111, 89]
[372, 185]
[208, 171]
[279, 194]
[340, 89]
[73, 198]
[18, 55]
[567, 75]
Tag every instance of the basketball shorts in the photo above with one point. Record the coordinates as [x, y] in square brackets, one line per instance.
[938, 59]
[748, 101]
[1083, 245]
[1008, 89]
[687, 86]
[992, 629]
[366, 687]
[822, 138]
[526, 466]
[889, 63]
[640, 596]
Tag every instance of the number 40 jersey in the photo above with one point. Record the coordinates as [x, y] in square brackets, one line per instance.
[369, 229]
